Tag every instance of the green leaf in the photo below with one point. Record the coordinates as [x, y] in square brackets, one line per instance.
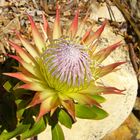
[57, 132]
[84, 112]
[20, 129]
[37, 128]
[64, 118]
[99, 98]
[101, 114]
[7, 86]
[93, 112]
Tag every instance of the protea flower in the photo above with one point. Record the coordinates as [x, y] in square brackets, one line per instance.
[62, 68]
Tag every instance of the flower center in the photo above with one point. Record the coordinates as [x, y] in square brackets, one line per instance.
[67, 64]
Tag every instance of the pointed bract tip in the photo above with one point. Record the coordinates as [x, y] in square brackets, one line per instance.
[15, 57]
[39, 116]
[101, 28]
[74, 25]
[57, 28]
[57, 12]
[96, 35]
[31, 21]
[116, 45]
[35, 100]
[25, 86]
[46, 25]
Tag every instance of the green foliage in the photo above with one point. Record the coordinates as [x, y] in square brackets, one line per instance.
[86, 112]
[37, 128]
[27, 126]
[101, 114]
[64, 118]
[98, 98]
[16, 120]
[57, 132]
[16, 100]
[7, 85]
[19, 129]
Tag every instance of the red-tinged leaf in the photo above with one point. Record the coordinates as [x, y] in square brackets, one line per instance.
[41, 96]
[31, 49]
[24, 71]
[92, 89]
[19, 76]
[74, 26]
[38, 39]
[104, 53]
[104, 70]
[64, 118]
[29, 68]
[110, 90]
[46, 25]
[16, 58]
[57, 132]
[69, 106]
[26, 66]
[47, 105]
[57, 28]
[36, 100]
[22, 53]
[35, 86]
[53, 110]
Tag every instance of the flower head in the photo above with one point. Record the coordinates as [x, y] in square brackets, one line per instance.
[62, 68]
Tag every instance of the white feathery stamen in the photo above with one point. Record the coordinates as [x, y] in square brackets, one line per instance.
[68, 63]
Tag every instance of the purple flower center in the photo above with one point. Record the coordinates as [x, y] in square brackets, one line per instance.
[68, 63]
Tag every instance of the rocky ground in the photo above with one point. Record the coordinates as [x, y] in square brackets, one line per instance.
[13, 16]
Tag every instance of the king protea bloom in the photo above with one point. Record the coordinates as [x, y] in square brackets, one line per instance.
[62, 68]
